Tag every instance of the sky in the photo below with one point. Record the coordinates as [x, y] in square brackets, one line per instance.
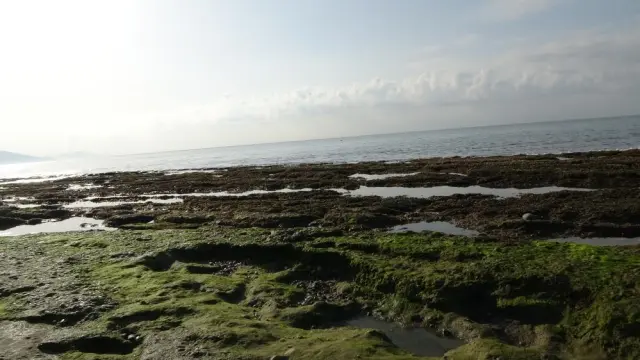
[130, 76]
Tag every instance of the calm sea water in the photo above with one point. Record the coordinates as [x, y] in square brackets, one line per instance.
[536, 138]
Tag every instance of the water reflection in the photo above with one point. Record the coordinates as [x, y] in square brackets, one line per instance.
[451, 190]
[368, 177]
[71, 224]
[436, 226]
[417, 341]
[96, 204]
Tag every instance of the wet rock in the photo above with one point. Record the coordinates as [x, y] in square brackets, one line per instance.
[319, 314]
[224, 268]
[122, 255]
[184, 219]
[93, 344]
[178, 344]
[4, 291]
[369, 220]
[445, 333]
[122, 321]
[269, 221]
[66, 309]
[57, 214]
[34, 221]
[186, 285]
[530, 217]
[120, 220]
[378, 335]
[610, 230]
[234, 296]
[155, 261]
[9, 222]
[50, 207]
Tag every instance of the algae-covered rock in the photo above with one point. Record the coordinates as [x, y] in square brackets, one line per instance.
[281, 274]
[121, 220]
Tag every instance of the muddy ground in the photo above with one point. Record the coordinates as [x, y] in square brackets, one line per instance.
[276, 274]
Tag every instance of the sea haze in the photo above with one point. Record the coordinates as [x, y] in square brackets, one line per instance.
[535, 138]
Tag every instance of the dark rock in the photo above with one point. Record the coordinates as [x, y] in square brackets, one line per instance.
[9, 222]
[120, 220]
[531, 217]
[57, 214]
[184, 219]
[34, 221]
[320, 314]
[6, 292]
[93, 344]
[378, 335]
[50, 207]
[373, 221]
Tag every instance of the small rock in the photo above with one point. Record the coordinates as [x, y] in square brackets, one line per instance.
[529, 217]
[131, 337]
[35, 221]
[290, 352]
[378, 334]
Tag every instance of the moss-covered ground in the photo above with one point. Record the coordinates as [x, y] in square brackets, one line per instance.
[218, 293]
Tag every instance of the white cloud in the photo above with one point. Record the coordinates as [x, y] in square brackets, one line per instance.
[586, 63]
[584, 74]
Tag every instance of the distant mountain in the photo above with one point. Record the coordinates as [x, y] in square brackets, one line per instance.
[7, 157]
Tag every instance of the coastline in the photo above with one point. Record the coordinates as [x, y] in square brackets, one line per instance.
[275, 274]
[79, 173]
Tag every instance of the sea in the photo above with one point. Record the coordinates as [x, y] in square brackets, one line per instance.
[533, 138]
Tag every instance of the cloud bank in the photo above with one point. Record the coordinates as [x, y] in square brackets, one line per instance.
[603, 62]
[470, 80]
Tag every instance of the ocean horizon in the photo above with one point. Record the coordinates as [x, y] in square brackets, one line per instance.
[549, 137]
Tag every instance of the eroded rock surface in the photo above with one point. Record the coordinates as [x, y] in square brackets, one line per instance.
[279, 275]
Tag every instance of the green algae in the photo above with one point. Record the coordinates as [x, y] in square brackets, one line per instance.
[247, 294]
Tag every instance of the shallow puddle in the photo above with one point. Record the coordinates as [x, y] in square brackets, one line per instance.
[96, 204]
[226, 193]
[451, 190]
[436, 226]
[26, 206]
[417, 341]
[79, 187]
[13, 199]
[71, 224]
[368, 177]
[611, 241]
[188, 171]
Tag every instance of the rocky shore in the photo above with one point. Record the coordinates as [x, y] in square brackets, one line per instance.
[298, 262]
